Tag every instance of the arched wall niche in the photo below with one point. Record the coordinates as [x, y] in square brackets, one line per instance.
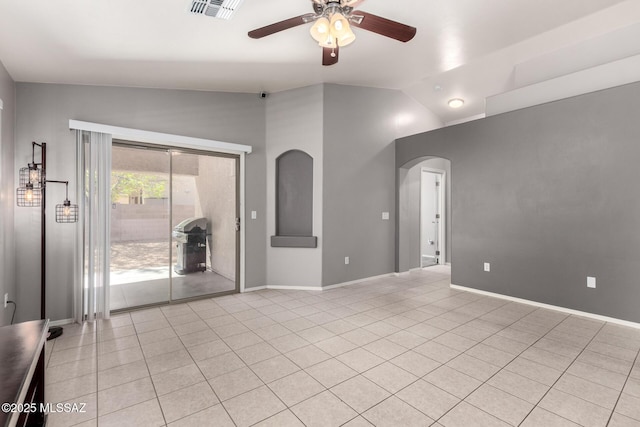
[294, 201]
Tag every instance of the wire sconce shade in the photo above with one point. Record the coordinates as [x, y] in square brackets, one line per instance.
[66, 212]
[32, 188]
[31, 175]
[29, 197]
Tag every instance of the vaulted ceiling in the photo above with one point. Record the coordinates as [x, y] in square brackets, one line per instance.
[463, 48]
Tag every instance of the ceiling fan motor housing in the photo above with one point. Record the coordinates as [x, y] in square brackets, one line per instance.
[327, 7]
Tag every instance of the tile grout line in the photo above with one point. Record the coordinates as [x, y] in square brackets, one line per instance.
[407, 350]
[442, 364]
[98, 331]
[358, 373]
[470, 302]
[144, 357]
[496, 373]
[445, 364]
[246, 366]
[565, 371]
[325, 389]
[196, 364]
[361, 414]
[382, 314]
[514, 357]
[140, 346]
[613, 411]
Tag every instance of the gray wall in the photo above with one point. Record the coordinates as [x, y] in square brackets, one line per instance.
[43, 112]
[7, 195]
[549, 196]
[360, 125]
[349, 132]
[409, 212]
[294, 122]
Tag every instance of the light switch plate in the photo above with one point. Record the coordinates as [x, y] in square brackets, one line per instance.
[487, 266]
[346, 260]
[591, 282]
[385, 216]
[254, 215]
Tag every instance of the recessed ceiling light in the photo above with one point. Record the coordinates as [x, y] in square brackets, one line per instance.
[456, 103]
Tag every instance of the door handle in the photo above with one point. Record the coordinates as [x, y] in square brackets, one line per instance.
[237, 224]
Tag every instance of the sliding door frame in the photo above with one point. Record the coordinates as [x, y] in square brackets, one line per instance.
[239, 282]
[166, 139]
[239, 204]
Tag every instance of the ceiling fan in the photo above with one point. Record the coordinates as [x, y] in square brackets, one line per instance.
[332, 26]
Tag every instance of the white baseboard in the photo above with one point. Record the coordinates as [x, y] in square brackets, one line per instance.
[62, 322]
[284, 288]
[319, 288]
[295, 288]
[354, 282]
[255, 288]
[550, 307]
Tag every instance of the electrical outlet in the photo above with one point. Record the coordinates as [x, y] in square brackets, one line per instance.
[385, 216]
[591, 282]
[346, 260]
[6, 300]
[487, 266]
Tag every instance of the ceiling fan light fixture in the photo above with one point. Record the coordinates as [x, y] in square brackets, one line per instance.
[346, 39]
[332, 32]
[332, 23]
[320, 30]
[339, 25]
[328, 41]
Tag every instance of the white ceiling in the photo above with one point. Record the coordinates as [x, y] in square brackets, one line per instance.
[469, 48]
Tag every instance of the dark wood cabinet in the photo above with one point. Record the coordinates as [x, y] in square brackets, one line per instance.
[22, 373]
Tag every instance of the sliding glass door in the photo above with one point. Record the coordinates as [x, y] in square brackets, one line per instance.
[173, 225]
[140, 210]
[204, 211]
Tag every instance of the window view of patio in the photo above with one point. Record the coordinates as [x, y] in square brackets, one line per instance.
[172, 226]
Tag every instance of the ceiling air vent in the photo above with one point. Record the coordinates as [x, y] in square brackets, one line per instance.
[223, 9]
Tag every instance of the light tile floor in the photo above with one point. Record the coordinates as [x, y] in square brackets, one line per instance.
[398, 351]
[133, 288]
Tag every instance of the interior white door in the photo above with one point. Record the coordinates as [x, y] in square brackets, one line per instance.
[430, 217]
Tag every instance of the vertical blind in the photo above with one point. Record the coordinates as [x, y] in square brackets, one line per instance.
[94, 176]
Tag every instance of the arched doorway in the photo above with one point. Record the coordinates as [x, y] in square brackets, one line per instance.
[424, 213]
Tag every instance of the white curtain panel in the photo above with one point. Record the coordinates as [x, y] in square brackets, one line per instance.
[94, 199]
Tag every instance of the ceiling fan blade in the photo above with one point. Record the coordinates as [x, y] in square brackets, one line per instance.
[384, 26]
[281, 26]
[330, 55]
